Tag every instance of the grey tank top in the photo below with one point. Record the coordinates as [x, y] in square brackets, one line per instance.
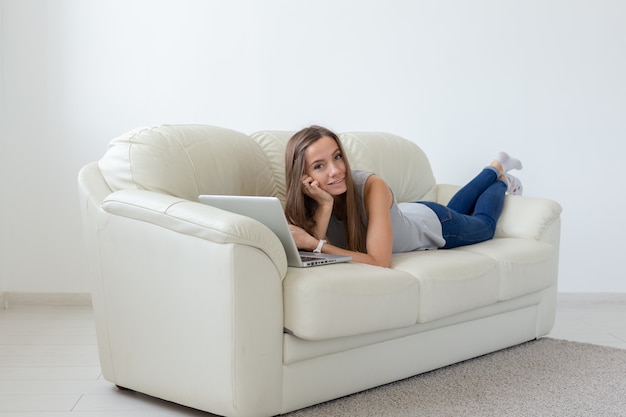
[415, 226]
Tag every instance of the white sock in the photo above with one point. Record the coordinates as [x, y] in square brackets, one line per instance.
[507, 162]
[514, 186]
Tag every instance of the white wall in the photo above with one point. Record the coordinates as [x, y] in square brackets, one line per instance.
[542, 79]
[2, 152]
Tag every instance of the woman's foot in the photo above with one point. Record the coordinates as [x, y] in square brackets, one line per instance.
[508, 163]
[514, 185]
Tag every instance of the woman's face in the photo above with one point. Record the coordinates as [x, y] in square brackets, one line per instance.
[324, 163]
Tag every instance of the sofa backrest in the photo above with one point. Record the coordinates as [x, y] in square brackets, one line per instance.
[273, 143]
[186, 161]
[189, 160]
[400, 162]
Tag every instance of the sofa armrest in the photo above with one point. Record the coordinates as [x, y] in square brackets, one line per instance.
[522, 216]
[193, 293]
[528, 217]
[198, 220]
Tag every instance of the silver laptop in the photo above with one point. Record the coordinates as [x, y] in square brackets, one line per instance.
[269, 211]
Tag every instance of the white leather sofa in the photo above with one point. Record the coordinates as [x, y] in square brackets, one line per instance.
[197, 306]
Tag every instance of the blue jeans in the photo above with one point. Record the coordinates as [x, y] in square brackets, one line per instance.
[471, 215]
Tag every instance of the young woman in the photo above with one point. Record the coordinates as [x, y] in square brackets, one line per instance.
[333, 209]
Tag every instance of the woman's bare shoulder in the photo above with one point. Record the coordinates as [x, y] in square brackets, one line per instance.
[376, 187]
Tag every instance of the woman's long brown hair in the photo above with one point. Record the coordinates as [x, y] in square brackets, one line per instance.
[300, 208]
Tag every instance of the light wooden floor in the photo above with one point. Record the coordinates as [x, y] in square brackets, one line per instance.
[49, 361]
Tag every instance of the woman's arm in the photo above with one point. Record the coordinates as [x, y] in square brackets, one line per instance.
[379, 240]
[322, 218]
[324, 207]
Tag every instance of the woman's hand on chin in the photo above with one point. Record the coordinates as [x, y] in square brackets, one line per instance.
[312, 188]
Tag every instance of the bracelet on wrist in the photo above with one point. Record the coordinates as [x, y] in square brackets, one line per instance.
[318, 249]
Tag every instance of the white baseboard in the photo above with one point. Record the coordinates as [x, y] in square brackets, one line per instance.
[9, 300]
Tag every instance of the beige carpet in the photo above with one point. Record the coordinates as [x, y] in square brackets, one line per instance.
[546, 377]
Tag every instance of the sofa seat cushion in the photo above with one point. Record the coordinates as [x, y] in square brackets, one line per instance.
[524, 265]
[347, 299]
[450, 281]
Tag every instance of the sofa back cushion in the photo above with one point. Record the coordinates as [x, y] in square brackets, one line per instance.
[273, 143]
[186, 161]
[400, 162]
